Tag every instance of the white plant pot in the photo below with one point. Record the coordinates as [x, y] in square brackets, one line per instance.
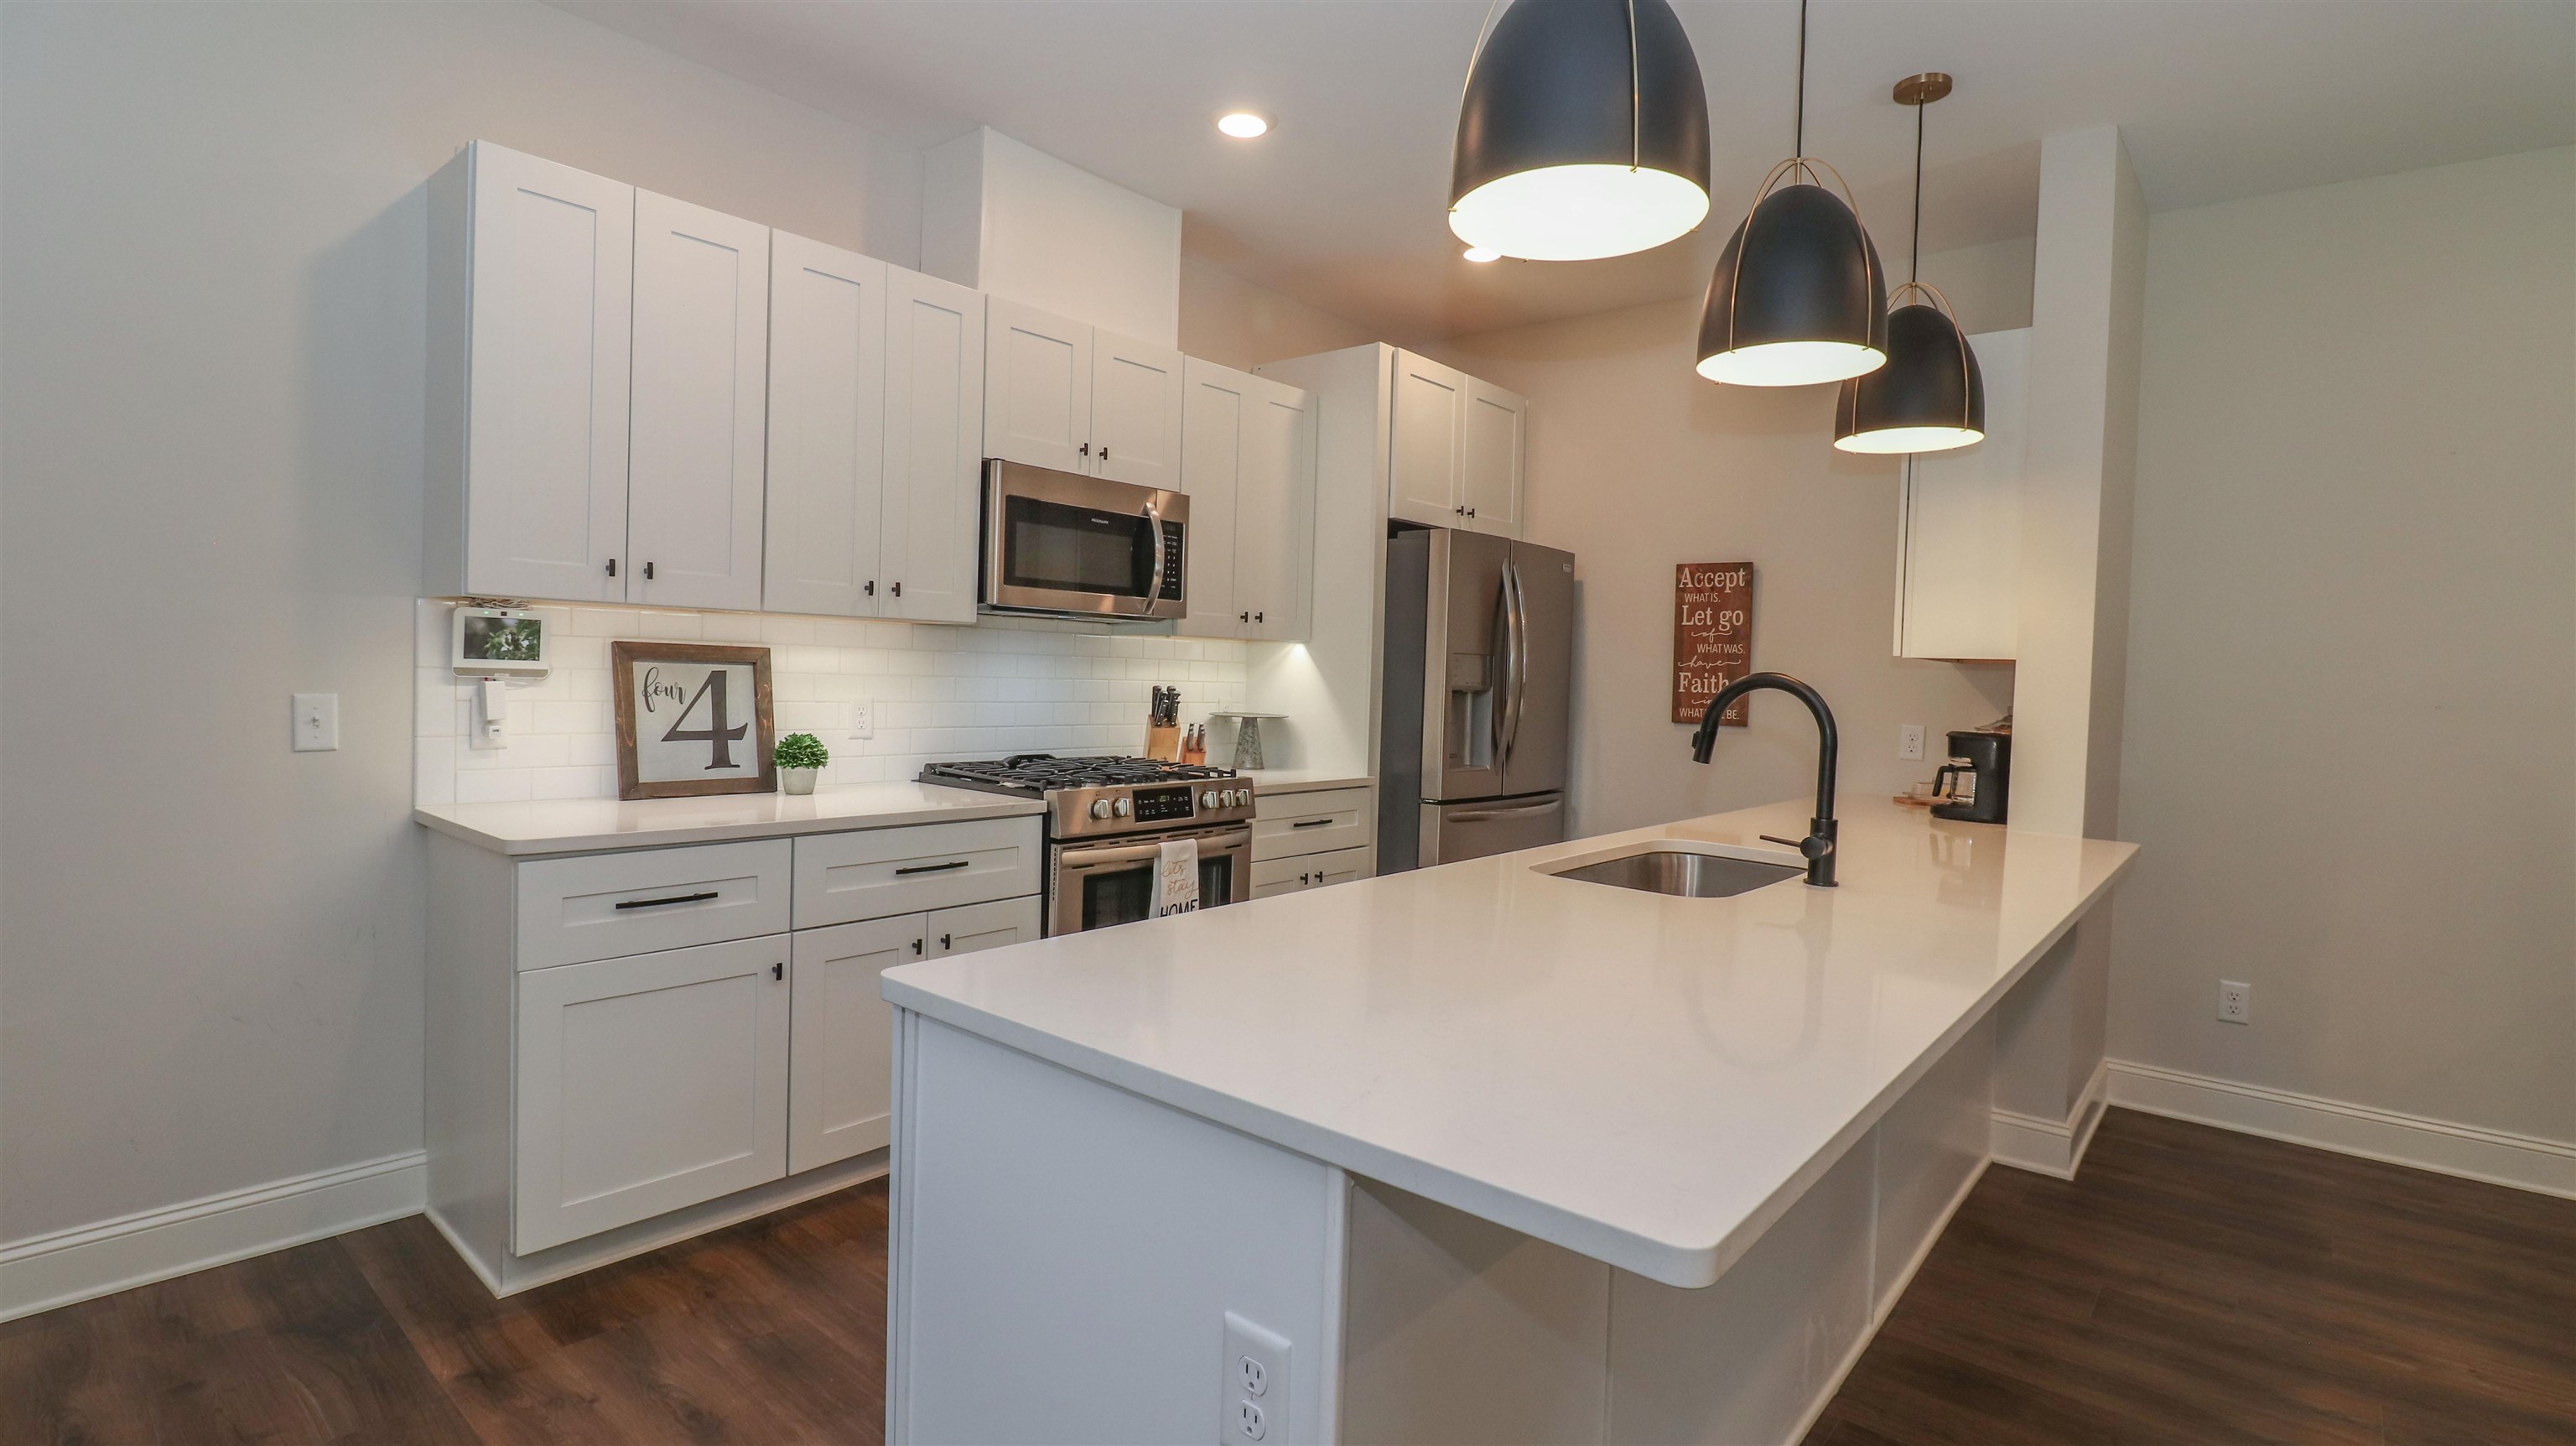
[796, 780]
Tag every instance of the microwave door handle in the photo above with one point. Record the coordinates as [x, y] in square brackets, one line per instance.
[1154, 584]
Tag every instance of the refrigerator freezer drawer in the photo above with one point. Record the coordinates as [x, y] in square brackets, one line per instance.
[1454, 831]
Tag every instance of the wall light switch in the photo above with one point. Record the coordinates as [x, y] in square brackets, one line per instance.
[863, 720]
[1909, 740]
[317, 722]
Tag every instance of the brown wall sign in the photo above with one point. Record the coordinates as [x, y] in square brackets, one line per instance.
[1712, 636]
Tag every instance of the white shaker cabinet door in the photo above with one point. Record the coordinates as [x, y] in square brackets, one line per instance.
[827, 442]
[1136, 391]
[934, 428]
[1037, 387]
[1430, 407]
[647, 1083]
[973, 928]
[1211, 473]
[701, 391]
[1275, 512]
[549, 309]
[840, 1097]
[1958, 592]
[1493, 458]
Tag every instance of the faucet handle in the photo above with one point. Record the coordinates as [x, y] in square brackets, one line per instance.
[1813, 846]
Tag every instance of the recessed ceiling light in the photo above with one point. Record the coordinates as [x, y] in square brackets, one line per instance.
[1243, 125]
[1483, 253]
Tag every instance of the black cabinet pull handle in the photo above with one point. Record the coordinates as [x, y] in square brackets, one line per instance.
[1243, 617]
[1086, 449]
[916, 946]
[871, 588]
[1104, 451]
[671, 899]
[933, 868]
[778, 970]
[1258, 617]
[1312, 822]
[612, 567]
[648, 572]
[898, 589]
[943, 942]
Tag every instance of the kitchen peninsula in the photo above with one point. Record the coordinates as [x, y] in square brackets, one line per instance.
[1473, 1153]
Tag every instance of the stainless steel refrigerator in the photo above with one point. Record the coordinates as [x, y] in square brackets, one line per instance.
[1479, 665]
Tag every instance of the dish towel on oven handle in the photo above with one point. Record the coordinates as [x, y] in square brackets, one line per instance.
[1176, 877]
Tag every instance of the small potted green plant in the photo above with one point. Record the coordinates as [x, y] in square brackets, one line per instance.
[799, 757]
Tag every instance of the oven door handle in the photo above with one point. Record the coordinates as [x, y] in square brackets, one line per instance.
[1089, 857]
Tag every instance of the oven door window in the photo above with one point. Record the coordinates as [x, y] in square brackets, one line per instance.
[1123, 896]
[1076, 549]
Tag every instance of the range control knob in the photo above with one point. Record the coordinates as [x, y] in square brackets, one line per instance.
[1100, 808]
[1120, 808]
[1208, 799]
[1232, 798]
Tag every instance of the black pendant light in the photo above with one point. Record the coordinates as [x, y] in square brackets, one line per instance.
[1583, 132]
[1798, 296]
[1930, 396]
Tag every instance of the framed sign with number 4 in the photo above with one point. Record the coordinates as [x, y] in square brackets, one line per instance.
[692, 718]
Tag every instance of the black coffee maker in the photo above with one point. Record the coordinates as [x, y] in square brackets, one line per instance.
[1978, 775]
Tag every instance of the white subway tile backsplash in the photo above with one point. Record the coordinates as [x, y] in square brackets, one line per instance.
[936, 693]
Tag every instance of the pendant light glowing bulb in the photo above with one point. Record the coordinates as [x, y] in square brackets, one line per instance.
[1583, 132]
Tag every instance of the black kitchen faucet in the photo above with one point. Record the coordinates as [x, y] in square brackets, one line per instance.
[1818, 845]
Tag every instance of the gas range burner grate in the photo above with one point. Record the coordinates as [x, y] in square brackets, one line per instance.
[1040, 772]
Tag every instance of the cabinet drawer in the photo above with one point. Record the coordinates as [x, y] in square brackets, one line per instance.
[1287, 824]
[1300, 872]
[647, 1084]
[845, 877]
[604, 905]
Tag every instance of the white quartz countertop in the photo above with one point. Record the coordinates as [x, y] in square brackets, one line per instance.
[573, 825]
[1650, 1081]
[1304, 780]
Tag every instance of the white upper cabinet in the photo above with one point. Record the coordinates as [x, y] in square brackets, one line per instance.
[701, 383]
[1135, 411]
[1492, 458]
[1037, 387]
[531, 277]
[934, 428]
[1423, 480]
[1959, 561]
[1248, 450]
[827, 434]
[1059, 394]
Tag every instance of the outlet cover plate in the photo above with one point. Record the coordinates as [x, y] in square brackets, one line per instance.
[2235, 1001]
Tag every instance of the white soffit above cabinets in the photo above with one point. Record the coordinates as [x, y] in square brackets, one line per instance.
[1341, 207]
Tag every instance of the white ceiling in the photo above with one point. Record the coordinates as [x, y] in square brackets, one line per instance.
[1342, 206]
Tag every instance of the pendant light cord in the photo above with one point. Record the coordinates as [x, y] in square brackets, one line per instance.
[1798, 131]
[1914, 247]
[1636, 97]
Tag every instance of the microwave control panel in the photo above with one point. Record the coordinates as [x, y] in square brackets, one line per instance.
[1173, 554]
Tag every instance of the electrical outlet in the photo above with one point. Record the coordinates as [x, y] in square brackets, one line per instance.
[317, 722]
[1909, 741]
[863, 720]
[1252, 1384]
[2235, 1002]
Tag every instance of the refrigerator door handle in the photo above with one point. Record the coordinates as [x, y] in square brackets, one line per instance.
[1516, 659]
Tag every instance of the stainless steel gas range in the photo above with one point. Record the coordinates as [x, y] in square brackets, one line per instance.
[1106, 822]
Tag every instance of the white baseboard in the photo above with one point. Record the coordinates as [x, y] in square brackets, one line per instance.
[2051, 1147]
[94, 1260]
[2494, 1156]
[1886, 1307]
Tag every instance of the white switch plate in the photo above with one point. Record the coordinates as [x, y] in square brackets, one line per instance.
[2235, 1002]
[1909, 740]
[1253, 1381]
[317, 722]
[863, 720]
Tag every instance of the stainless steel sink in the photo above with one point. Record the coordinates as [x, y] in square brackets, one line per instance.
[1684, 873]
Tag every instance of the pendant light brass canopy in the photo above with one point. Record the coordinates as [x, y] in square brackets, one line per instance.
[1798, 295]
[1583, 132]
[1930, 396]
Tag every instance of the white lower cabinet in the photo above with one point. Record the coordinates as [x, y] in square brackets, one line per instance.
[1311, 839]
[646, 1084]
[1300, 872]
[840, 1097]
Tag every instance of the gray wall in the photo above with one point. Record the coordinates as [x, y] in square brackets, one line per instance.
[212, 273]
[2352, 646]
[1637, 464]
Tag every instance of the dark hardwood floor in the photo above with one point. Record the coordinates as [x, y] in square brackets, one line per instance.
[2194, 1286]
[2199, 1286]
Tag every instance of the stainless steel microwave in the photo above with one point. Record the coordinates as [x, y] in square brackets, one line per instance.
[1066, 545]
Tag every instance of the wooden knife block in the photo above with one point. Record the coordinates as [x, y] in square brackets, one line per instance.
[1163, 742]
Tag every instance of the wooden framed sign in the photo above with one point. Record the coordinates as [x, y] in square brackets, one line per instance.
[1712, 636]
[692, 718]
